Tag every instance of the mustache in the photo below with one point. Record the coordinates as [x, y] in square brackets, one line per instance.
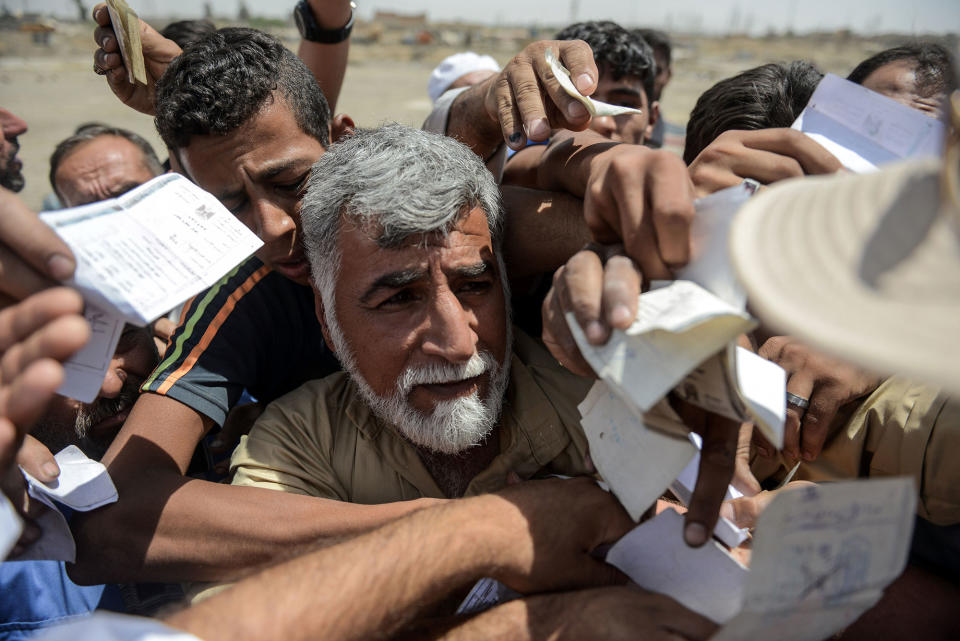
[104, 408]
[438, 373]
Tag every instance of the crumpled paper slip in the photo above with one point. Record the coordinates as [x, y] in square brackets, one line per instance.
[618, 441]
[83, 485]
[595, 107]
[676, 329]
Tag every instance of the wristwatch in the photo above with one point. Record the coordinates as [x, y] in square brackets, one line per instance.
[310, 30]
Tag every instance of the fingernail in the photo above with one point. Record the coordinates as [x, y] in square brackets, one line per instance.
[60, 266]
[51, 470]
[595, 332]
[695, 534]
[583, 83]
[515, 138]
[576, 110]
[537, 129]
[620, 315]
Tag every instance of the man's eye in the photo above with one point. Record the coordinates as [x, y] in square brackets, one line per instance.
[400, 298]
[476, 286]
[295, 186]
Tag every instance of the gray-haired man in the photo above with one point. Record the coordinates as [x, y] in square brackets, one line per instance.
[403, 232]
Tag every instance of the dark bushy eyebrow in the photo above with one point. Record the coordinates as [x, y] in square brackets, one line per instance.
[404, 277]
[394, 280]
[474, 271]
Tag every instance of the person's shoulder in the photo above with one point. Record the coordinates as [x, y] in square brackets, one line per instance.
[319, 407]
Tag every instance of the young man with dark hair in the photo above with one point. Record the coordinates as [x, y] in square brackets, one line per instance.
[918, 75]
[186, 32]
[627, 77]
[765, 97]
[246, 120]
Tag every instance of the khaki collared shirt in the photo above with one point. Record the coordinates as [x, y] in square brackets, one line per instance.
[902, 428]
[323, 440]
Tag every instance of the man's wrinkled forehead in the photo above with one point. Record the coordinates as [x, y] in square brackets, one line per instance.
[471, 222]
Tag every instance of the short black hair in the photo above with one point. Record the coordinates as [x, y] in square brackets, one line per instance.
[932, 66]
[616, 50]
[660, 43]
[221, 81]
[187, 32]
[768, 96]
[92, 130]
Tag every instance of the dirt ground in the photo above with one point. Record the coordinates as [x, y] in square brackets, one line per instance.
[54, 88]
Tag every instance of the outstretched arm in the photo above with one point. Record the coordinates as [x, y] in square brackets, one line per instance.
[534, 537]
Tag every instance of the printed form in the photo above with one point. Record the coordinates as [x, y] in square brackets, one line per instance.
[139, 256]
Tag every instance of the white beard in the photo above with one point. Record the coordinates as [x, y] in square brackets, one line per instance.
[453, 426]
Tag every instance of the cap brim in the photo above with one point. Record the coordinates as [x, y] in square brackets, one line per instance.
[860, 266]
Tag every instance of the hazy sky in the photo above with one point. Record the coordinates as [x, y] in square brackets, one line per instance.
[865, 16]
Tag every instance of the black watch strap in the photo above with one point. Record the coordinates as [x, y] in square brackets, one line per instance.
[310, 30]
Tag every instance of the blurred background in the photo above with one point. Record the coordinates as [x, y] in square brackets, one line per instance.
[46, 49]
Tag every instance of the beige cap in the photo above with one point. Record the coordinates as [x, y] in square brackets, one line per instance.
[866, 267]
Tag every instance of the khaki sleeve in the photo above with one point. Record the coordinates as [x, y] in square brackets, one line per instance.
[288, 448]
[903, 428]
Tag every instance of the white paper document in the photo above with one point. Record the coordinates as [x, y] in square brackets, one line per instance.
[677, 328]
[741, 386]
[595, 107]
[140, 255]
[821, 556]
[706, 579]
[865, 129]
[621, 445]
[83, 485]
[710, 265]
[85, 369]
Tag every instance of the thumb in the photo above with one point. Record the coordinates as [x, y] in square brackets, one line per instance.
[36, 459]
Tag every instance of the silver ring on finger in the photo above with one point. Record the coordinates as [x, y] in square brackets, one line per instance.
[798, 401]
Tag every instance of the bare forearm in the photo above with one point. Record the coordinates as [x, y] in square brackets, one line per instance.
[365, 588]
[544, 229]
[168, 528]
[565, 165]
[328, 62]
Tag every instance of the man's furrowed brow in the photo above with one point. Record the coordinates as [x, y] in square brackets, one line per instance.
[273, 169]
[393, 280]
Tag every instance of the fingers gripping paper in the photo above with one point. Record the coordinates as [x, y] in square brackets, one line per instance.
[822, 555]
[126, 24]
[595, 107]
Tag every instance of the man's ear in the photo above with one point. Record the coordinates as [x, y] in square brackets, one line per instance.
[341, 127]
[322, 318]
[653, 112]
